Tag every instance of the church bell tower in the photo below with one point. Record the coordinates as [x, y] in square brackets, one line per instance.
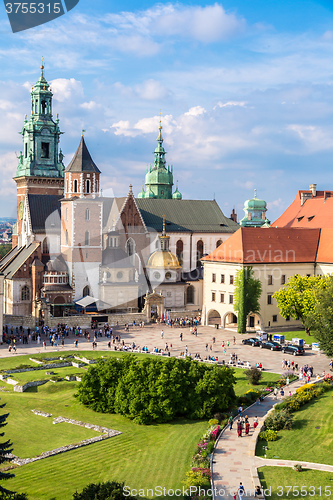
[40, 169]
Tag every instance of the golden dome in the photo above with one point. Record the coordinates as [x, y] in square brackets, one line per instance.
[162, 259]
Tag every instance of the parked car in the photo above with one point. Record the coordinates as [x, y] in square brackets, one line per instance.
[296, 350]
[252, 341]
[273, 346]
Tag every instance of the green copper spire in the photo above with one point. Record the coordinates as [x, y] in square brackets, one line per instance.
[40, 156]
[159, 176]
[255, 213]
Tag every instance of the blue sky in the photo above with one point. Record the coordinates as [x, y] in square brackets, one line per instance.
[245, 89]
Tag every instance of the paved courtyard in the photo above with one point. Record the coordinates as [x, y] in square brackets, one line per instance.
[151, 336]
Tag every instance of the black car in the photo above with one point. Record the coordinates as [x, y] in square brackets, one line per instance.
[252, 341]
[296, 350]
[273, 346]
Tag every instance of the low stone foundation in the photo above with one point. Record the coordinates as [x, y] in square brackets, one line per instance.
[106, 434]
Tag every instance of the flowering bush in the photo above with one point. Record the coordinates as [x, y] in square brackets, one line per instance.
[215, 433]
[195, 478]
[268, 435]
[205, 472]
[213, 421]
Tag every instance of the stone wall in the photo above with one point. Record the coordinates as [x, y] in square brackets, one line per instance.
[23, 388]
[84, 321]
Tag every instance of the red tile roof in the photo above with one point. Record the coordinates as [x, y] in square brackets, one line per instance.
[250, 245]
[316, 212]
[325, 248]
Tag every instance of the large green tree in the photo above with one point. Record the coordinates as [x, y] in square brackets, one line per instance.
[5, 447]
[247, 294]
[320, 320]
[157, 390]
[298, 298]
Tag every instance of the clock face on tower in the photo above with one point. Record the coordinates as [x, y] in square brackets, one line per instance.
[20, 210]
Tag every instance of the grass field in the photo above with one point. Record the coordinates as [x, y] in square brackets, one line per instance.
[285, 483]
[142, 457]
[317, 447]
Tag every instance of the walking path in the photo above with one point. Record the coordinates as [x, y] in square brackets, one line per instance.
[234, 459]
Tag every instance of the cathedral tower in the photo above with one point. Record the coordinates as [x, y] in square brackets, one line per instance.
[40, 169]
[81, 223]
[159, 176]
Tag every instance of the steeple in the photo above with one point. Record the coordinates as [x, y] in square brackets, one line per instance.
[82, 174]
[41, 134]
[159, 176]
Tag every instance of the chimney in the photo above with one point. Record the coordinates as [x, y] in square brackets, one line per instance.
[313, 188]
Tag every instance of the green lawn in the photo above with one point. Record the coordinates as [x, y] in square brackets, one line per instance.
[299, 334]
[317, 447]
[317, 485]
[243, 385]
[142, 457]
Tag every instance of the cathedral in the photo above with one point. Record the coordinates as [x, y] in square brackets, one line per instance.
[72, 247]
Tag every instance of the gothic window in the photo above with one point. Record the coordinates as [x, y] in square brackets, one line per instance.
[45, 150]
[75, 186]
[25, 293]
[87, 214]
[130, 249]
[179, 251]
[199, 252]
[86, 291]
[88, 186]
[46, 246]
[86, 238]
[190, 295]
[218, 243]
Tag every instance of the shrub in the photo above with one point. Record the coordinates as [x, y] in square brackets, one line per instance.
[215, 433]
[268, 435]
[213, 421]
[253, 375]
[195, 478]
[277, 420]
[111, 490]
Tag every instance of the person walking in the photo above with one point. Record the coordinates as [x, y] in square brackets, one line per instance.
[162, 334]
[239, 428]
[255, 423]
[230, 422]
[241, 491]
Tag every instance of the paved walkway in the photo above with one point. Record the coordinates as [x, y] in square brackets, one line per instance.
[234, 458]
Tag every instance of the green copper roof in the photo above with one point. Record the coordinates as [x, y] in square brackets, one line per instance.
[255, 213]
[41, 155]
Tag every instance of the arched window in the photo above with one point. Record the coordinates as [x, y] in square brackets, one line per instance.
[190, 295]
[130, 249]
[25, 293]
[46, 246]
[218, 243]
[179, 251]
[200, 246]
[75, 186]
[88, 186]
[87, 214]
[86, 291]
[86, 238]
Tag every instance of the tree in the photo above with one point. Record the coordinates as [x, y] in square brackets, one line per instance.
[320, 320]
[5, 448]
[298, 299]
[247, 294]
[253, 375]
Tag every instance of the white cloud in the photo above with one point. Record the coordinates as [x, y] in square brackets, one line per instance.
[89, 105]
[228, 104]
[195, 111]
[64, 89]
[314, 138]
[151, 90]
